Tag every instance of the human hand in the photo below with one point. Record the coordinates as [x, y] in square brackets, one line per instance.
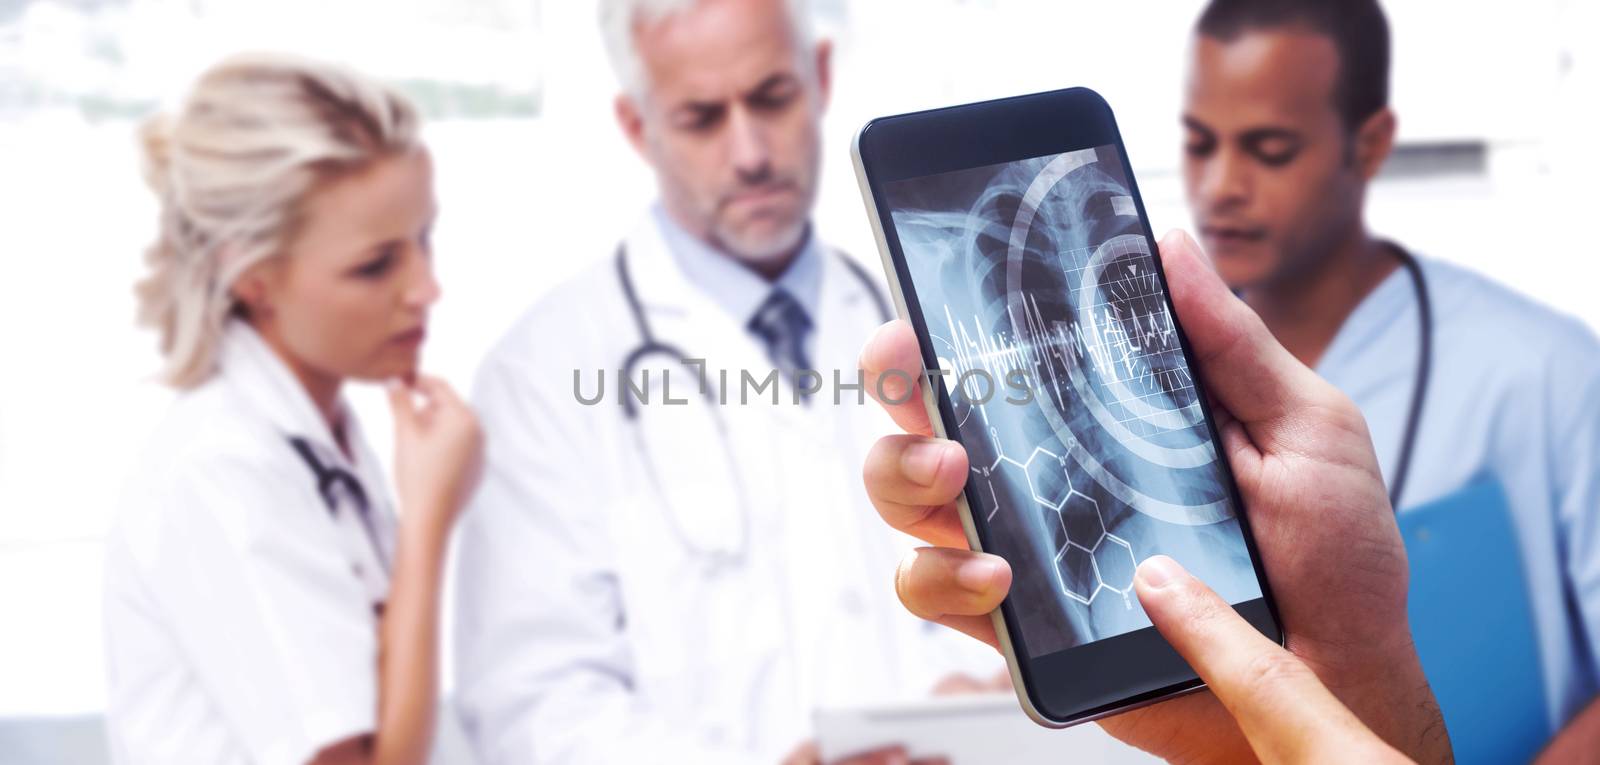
[1278, 703]
[438, 452]
[1315, 499]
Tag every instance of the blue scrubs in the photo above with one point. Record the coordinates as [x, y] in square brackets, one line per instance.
[1514, 396]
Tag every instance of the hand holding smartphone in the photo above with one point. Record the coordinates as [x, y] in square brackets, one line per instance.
[1018, 248]
[1319, 517]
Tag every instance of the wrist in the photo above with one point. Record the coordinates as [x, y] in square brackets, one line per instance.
[1387, 689]
[424, 529]
[431, 506]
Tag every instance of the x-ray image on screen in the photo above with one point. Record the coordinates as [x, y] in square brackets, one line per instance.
[1042, 265]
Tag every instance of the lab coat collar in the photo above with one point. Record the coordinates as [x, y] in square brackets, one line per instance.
[660, 284]
[253, 369]
[850, 315]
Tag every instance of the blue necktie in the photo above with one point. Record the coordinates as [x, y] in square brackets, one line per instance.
[781, 322]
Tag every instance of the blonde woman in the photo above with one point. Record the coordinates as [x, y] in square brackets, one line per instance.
[264, 603]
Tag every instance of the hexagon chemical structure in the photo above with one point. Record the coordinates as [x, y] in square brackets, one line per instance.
[1047, 478]
[1075, 573]
[1090, 559]
[1081, 520]
[1114, 565]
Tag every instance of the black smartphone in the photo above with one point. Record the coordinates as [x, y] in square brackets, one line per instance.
[1017, 245]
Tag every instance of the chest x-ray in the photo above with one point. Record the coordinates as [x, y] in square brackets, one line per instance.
[1040, 270]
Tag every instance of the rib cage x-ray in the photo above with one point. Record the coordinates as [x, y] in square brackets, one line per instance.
[1042, 266]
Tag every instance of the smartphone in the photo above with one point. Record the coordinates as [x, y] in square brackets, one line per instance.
[1016, 244]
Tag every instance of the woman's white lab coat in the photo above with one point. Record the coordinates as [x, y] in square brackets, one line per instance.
[241, 603]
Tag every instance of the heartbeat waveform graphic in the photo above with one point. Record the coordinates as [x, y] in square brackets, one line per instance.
[1125, 339]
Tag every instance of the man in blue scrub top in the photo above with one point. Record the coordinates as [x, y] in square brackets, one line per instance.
[1287, 121]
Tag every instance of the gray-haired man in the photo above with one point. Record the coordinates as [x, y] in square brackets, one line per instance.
[687, 583]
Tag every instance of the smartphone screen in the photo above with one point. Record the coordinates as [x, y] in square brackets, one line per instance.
[1073, 397]
[1038, 295]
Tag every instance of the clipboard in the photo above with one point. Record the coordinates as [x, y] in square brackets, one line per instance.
[1473, 624]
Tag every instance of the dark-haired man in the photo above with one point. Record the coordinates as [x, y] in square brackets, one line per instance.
[1288, 120]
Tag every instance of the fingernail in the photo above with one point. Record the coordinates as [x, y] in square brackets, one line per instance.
[921, 461]
[1182, 239]
[977, 575]
[1157, 570]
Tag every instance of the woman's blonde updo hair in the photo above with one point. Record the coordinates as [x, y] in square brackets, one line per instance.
[231, 169]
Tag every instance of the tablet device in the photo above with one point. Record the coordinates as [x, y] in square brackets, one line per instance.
[965, 730]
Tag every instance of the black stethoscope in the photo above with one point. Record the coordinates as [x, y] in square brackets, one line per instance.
[329, 479]
[1419, 386]
[650, 346]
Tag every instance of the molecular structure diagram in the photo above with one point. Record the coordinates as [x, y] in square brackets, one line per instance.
[1088, 558]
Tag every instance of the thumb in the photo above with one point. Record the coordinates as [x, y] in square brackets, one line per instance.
[891, 366]
[1245, 368]
[1285, 711]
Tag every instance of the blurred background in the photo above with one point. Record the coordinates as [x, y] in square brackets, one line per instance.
[1499, 109]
